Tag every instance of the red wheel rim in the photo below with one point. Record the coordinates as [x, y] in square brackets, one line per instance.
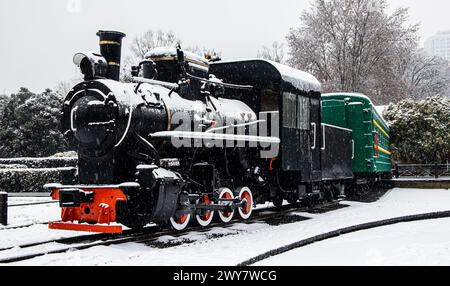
[182, 219]
[207, 215]
[227, 196]
[246, 196]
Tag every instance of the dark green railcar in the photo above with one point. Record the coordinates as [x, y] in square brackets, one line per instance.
[371, 141]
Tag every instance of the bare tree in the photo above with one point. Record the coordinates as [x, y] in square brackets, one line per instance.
[143, 44]
[62, 88]
[273, 53]
[354, 45]
[147, 42]
[204, 52]
[427, 76]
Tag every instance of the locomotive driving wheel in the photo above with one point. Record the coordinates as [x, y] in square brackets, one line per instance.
[226, 216]
[206, 217]
[245, 194]
[180, 222]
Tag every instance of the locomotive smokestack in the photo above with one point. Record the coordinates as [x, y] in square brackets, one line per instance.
[111, 50]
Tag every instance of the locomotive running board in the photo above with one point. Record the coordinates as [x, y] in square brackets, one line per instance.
[215, 136]
[113, 229]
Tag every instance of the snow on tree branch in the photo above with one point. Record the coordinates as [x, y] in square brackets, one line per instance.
[274, 53]
[356, 46]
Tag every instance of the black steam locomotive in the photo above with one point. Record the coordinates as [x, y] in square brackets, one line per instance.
[191, 137]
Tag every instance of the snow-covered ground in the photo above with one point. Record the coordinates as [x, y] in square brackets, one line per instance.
[424, 243]
[33, 215]
[13, 201]
[400, 244]
[424, 179]
[23, 215]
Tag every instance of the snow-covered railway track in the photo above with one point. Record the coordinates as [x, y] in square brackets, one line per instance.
[82, 238]
[149, 234]
[31, 204]
[22, 226]
[343, 231]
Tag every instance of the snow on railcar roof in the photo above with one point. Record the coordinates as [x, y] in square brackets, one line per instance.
[378, 109]
[300, 79]
[307, 78]
[350, 94]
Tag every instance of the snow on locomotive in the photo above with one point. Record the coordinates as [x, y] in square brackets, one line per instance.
[189, 138]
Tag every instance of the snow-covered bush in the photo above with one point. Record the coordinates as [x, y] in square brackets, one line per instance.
[30, 124]
[52, 162]
[68, 154]
[420, 130]
[31, 174]
[33, 180]
[12, 166]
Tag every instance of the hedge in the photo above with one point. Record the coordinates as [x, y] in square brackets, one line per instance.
[12, 166]
[41, 163]
[33, 180]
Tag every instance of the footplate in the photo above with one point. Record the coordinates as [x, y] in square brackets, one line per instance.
[113, 229]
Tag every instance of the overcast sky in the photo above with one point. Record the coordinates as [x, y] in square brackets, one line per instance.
[39, 38]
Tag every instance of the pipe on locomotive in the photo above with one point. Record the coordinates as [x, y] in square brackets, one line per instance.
[107, 63]
[111, 50]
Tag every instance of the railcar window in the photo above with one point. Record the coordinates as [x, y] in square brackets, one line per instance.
[303, 116]
[296, 111]
[289, 110]
[269, 101]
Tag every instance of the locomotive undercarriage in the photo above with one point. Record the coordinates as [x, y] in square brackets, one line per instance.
[165, 195]
[214, 184]
[185, 185]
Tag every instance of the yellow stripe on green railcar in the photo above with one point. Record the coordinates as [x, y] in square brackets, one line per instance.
[381, 128]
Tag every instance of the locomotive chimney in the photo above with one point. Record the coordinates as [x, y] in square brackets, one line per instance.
[111, 50]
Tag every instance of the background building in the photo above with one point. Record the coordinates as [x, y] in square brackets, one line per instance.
[439, 45]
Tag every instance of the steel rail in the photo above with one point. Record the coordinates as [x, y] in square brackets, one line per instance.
[31, 204]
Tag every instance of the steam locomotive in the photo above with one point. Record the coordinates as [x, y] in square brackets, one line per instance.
[190, 137]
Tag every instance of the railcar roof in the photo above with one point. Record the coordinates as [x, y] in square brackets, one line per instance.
[359, 96]
[299, 79]
[349, 94]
